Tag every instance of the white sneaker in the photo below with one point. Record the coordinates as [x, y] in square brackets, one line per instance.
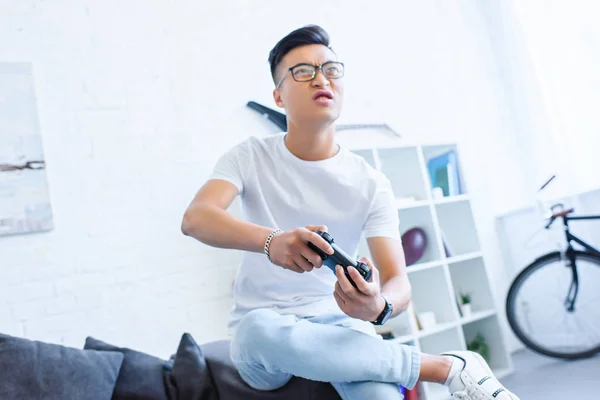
[476, 380]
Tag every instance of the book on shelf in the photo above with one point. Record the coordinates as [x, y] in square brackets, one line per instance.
[443, 173]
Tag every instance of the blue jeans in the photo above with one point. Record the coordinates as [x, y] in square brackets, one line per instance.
[268, 349]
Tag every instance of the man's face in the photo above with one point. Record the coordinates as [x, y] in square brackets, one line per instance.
[315, 101]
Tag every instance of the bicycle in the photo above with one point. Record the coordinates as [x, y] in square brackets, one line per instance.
[553, 305]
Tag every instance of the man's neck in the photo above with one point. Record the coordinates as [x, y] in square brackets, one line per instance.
[311, 143]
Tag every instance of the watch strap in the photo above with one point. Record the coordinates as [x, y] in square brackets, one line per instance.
[385, 313]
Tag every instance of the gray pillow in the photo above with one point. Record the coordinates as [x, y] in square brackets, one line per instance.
[190, 378]
[142, 376]
[35, 370]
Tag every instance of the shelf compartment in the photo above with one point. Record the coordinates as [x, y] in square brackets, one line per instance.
[443, 341]
[470, 276]
[457, 228]
[421, 218]
[490, 329]
[403, 168]
[431, 293]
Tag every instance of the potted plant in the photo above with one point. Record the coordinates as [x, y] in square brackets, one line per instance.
[465, 300]
[479, 345]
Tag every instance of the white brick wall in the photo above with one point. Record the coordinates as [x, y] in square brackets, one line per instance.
[137, 100]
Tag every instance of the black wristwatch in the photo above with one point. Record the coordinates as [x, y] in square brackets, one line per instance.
[385, 314]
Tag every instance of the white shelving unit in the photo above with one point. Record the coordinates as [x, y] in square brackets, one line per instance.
[436, 278]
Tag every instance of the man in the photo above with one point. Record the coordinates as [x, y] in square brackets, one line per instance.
[291, 317]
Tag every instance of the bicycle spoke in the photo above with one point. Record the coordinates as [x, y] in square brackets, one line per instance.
[572, 343]
[595, 330]
[559, 300]
[582, 332]
[559, 323]
[595, 302]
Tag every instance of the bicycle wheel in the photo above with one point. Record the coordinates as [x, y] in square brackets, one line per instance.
[536, 310]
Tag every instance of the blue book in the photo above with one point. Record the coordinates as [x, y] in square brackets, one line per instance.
[443, 173]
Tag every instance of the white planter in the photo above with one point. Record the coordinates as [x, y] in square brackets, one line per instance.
[466, 310]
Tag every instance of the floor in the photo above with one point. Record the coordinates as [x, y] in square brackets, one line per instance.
[538, 378]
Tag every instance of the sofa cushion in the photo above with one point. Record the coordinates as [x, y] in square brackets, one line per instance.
[142, 376]
[190, 378]
[31, 369]
[230, 386]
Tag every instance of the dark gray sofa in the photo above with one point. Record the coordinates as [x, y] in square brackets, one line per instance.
[101, 371]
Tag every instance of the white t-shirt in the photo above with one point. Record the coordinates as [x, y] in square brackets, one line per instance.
[280, 190]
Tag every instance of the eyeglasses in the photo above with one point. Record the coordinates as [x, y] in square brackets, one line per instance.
[307, 72]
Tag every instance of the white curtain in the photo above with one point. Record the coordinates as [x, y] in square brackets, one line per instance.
[561, 40]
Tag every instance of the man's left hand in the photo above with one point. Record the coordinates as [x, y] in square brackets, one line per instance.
[363, 302]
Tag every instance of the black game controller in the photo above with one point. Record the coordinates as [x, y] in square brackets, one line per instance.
[341, 258]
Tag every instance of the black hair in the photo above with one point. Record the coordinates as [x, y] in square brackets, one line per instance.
[309, 34]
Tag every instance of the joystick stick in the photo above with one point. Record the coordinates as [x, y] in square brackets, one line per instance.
[340, 257]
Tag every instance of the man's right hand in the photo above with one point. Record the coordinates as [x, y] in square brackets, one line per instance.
[290, 251]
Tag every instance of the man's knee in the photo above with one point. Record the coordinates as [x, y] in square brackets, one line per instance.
[260, 317]
[255, 328]
[255, 324]
[253, 340]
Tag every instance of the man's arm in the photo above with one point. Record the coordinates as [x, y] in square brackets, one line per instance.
[388, 257]
[207, 220]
